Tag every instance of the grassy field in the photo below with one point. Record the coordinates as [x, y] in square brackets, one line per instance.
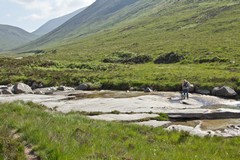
[72, 136]
[162, 77]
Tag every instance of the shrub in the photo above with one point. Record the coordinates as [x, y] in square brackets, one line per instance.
[127, 57]
[211, 60]
[171, 57]
[162, 117]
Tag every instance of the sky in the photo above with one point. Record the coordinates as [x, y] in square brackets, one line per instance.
[31, 14]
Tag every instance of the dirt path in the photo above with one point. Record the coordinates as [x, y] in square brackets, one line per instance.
[28, 148]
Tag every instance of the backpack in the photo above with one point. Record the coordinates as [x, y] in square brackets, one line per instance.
[185, 84]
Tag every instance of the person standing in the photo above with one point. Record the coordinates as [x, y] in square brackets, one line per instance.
[185, 88]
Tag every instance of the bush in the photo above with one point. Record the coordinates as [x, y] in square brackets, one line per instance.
[127, 57]
[171, 57]
[211, 60]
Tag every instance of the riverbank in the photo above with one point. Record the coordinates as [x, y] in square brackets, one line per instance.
[143, 108]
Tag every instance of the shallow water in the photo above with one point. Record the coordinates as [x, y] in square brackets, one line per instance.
[109, 94]
[217, 106]
[216, 124]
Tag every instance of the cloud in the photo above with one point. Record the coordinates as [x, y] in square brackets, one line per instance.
[47, 9]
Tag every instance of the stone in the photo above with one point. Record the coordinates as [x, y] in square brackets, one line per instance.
[49, 93]
[203, 91]
[191, 88]
[22, 88]
[61, 88]
[38, 92]
[224, 91]
[7, 91]
[3, 87]
[34, 85]
[82, 87]
[148, 90]
[153, 123]
[191, 130]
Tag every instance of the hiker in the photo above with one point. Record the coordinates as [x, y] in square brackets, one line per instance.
[185, 88]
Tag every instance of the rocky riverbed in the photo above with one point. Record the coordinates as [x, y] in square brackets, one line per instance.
[199, 115]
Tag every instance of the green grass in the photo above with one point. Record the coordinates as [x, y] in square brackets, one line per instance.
[72, 136]
[100, 75]
[10, 148]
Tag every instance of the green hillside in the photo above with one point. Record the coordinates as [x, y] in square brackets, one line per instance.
[196, 28]
[12, 37]
[91, 20]
[114, 44]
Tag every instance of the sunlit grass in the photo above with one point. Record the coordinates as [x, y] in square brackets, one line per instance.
[72, 136]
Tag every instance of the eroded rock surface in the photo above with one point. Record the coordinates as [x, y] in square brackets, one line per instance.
[134, 106]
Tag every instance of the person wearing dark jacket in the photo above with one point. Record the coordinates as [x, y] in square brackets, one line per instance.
[185, 88]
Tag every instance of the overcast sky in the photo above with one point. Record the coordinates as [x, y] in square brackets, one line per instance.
[31, 14]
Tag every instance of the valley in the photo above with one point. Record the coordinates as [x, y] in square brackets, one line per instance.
[130, 57]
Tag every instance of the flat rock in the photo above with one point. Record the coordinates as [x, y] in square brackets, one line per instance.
[123, 117]
[140, 105]
[153, 123]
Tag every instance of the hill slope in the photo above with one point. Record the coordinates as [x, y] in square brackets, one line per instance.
[54, 23]
[91, 20]
[11, 37]
[177, 22]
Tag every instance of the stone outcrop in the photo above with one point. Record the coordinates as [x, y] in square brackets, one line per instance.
[224, 91]
[20, 88]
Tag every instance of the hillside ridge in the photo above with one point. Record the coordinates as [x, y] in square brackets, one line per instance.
[56, 22]
[11, 37]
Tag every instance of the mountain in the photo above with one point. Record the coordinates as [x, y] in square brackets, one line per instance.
[11, 37]
[92, 19]
[159, 26]
[54, 23]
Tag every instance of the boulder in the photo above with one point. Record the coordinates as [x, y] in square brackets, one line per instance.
[38, 92]
[61, 88]
[49, 93]
[224, 91]
[148, 90]
[64, 88]
[36, 85]
[203, 91]
[3, 87]
[82, 87]
[191, 88]
[22, 88]
[7, 91]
